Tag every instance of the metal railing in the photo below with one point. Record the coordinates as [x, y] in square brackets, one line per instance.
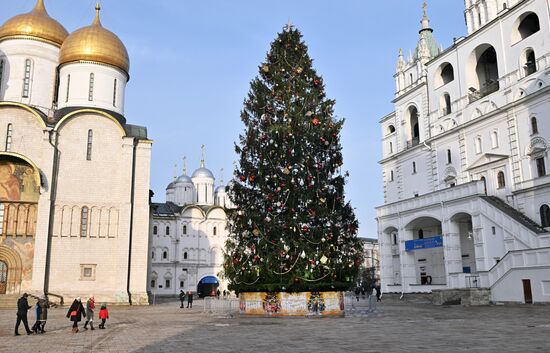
[414, 142]
[486, 89]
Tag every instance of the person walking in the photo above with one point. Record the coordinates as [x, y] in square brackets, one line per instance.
[103, 315]
[182, 298]
[42, 306]
[218, 294]
[75, 313]
[90, 307]
[378, 292]
[189, 300]
[357, 293]
[22, 309]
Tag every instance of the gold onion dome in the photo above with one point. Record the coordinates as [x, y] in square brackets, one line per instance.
[95, 44]
[36, 24]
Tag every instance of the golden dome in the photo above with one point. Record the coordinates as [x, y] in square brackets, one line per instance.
[36, 24]
[96, 44]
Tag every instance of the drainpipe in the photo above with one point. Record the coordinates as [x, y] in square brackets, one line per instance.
[53, 194]
[130, 236]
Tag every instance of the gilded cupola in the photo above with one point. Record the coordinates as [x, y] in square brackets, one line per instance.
[35, 25]
[96, 44]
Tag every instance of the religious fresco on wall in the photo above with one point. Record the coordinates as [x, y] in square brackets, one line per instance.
[18, 182]
[24, 248]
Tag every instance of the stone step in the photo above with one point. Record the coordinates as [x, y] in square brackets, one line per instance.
[8, 301]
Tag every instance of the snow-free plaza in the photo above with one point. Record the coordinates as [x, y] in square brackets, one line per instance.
[165, 328]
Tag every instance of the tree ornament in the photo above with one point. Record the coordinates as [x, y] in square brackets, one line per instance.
[316, 121]
[265, 68]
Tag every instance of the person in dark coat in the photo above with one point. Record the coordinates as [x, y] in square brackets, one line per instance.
[90, 307]
[378, 292]
[22, 308]
[42, 306]
[75, 313]
[189, 300]
[182, 298]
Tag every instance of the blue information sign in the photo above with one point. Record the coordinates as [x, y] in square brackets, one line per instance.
[426, 243]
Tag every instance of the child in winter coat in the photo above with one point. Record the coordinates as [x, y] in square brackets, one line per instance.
[103, 315]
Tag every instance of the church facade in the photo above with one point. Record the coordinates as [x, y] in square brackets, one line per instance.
[188, 234]
[74, 175]
[465, 160]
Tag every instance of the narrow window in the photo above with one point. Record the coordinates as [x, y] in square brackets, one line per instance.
[500, 180]
[411, 77]
[449, 157]
[89, 146]
[167, 284]
[167, 230]
[394, 239]
[27, 79]
[534, 126]
[91, 88]
[420, 234]
[155, 230]
[414, 167]
[114, 93]
[84, 222]
[478, 145]
[9, 134]
[541, 168]
[1, 73]
[185, 255]
[479, 18]
[391, 147]
[181, 284]
[447, 109]
[530, 65]
[153, 255]
[391, 175]
[184, 229]
[68, 88]
[494, 139]
[164, 255]
[214, 231]
[545, 216]
[153, 283]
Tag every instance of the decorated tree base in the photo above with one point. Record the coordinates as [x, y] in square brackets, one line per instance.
[292, 304]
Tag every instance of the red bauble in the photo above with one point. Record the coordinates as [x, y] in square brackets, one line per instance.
[305, 229]
[316, 83]
[252, 178]
[242, 177]
[315, 121]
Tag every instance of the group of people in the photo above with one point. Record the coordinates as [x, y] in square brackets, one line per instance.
[361, 290]
[189, 296]
[75, 313]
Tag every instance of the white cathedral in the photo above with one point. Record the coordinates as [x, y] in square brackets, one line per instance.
[466, 212]
[74, 175]
[188, 235]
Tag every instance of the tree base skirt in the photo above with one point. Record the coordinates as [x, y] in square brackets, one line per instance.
[292, 304]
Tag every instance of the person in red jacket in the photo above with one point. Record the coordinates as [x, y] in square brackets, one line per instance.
[103, 315]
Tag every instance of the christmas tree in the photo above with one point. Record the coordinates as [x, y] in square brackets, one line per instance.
[291, 229]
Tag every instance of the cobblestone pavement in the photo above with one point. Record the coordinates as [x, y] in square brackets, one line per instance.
[397, 327]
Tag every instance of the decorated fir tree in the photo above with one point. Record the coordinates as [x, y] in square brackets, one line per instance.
[292, 229]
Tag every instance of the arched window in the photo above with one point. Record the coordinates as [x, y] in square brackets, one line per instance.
[68, 88]
[545, 216]
[214, 231]
[394, 238]
[447, 74]
[391, 175]
[494, 139]
[411, 78]
[153, 283]
[184, 229]
[485, 80]
[167, 230]
[391, 129]
[185, 255]
[155, 230]
[84, 221]
[165, 254]
[501, 182]
[91, 88]
[529, 24]
[27, 78]
[534, 126]
[420, 234]
[484, 184]
[449, 157]
[413, 122]
[541, 167]
[414, 167]
[89, 146]
[478, 145]
[529, 62]
[9, 134]
[114, 92]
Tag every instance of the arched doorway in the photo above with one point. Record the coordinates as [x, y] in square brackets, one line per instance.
[424, 248]
[462, 235]
[3, 277]
[207, 286]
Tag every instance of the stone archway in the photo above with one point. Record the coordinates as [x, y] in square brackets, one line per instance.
[13, 271]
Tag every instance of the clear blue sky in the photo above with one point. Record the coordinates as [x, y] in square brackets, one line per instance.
[192, 61]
